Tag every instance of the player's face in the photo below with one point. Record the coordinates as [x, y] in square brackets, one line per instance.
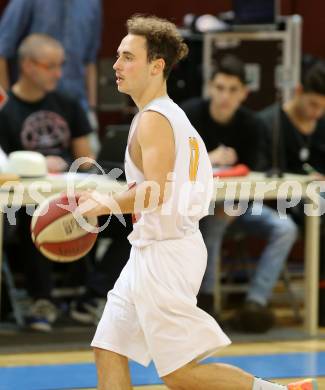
[312, 106]
[132, 67]
[227, 93]
[45, 70]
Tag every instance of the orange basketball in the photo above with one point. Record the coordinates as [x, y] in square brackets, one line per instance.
[56, 232]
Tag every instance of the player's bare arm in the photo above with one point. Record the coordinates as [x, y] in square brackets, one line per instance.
[152, 149]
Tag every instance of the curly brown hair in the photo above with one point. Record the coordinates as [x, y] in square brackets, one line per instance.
[163, 39]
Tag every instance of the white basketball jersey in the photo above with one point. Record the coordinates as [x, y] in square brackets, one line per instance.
[191, 181]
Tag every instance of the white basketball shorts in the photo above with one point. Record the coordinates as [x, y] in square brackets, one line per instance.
[151, 312]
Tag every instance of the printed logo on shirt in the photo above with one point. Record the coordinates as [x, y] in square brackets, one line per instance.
[46, 132]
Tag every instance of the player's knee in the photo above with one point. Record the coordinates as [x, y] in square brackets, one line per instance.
[178, 380]
[173, 382]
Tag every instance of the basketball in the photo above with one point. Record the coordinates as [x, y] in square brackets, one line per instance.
[57, 234]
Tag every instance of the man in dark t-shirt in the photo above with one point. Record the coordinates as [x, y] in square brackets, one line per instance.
[301, 121]
[232, 135]
[301, 147]
[243, 144]
[54, 125]
[39, 119]
[36, 117]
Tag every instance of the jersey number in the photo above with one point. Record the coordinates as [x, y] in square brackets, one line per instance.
[194, 158]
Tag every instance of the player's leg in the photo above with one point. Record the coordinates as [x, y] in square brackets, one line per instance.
[209, 376]
[119, 330]
[112, 370]
[195, 376]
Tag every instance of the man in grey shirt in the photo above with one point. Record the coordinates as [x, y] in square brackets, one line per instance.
[76, 24]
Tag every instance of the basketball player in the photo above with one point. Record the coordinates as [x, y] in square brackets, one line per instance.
[151, 313]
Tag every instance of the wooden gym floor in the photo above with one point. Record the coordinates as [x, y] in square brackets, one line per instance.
[280, 361]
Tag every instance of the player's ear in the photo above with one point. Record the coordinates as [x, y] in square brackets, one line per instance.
[158, 66]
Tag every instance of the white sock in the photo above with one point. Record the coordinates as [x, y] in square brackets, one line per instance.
[261, 384]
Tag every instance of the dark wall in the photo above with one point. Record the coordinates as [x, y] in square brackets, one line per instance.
[116, 13]
[313, 13]
[114, 25]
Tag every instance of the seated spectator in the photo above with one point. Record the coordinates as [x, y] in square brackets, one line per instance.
[301, 147]
[38, 118]
[232, 134]
[76, 24]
